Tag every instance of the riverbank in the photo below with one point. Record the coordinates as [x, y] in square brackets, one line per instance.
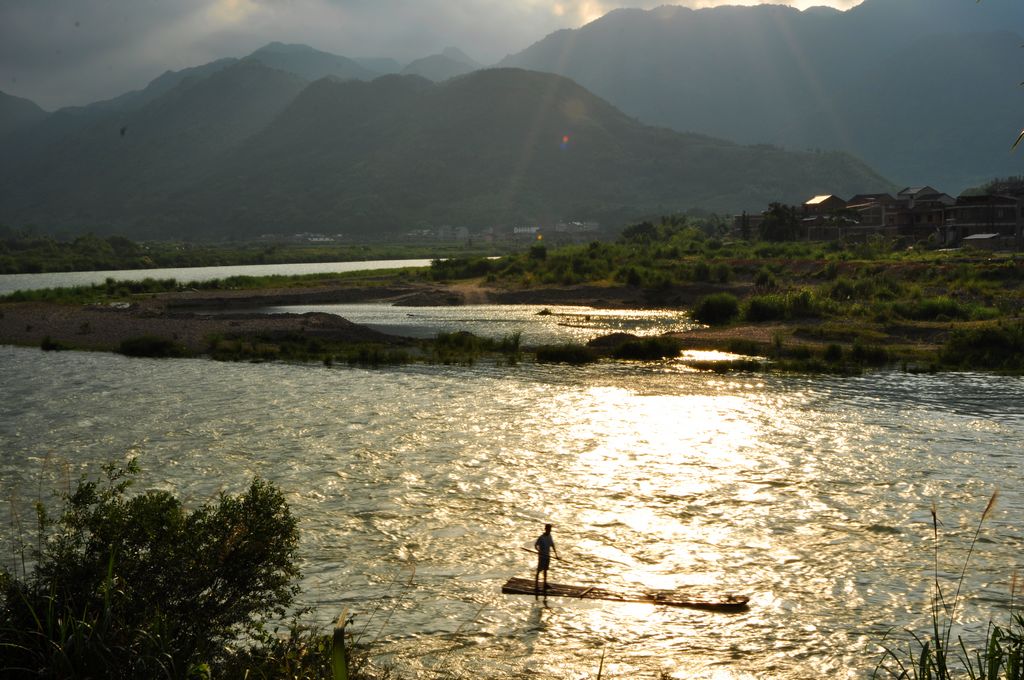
[220, 323]
[192, 318]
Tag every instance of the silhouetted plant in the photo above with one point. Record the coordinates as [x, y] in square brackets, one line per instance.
[716, 309]
[567, 353]
[647, 349]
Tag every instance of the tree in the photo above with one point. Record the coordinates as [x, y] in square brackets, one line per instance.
[781, 223]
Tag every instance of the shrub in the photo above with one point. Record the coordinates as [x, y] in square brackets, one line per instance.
[993, 347]
[716, 309]
[721, 272]
[152, 346]
[869, 354]
[648, 349]
[931, 309]
[766, 279]
[567, 353]
[765, 308]
[138, 586]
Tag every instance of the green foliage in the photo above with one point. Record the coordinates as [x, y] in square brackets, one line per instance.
[780, 223]
[765, 308]
[716, 309]
[996, 347]
[941, 308]
[869, 355]
[139, 586]
[799, 304]
[765, 279]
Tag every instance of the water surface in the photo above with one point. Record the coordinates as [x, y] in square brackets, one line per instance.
[417, 487]
[10, 283]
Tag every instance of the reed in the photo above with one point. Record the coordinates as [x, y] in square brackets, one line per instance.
[935, 655]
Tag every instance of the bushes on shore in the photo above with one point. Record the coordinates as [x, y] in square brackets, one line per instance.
[141, 587]
[997, 347]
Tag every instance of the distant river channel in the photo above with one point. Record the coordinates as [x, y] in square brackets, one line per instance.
[13, 282]
[417, 487]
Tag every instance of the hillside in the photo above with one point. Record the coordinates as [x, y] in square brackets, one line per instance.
[90, 168]
[859, 80]
[245, 152]
[17, 113]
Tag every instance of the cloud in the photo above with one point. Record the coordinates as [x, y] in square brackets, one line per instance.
[62, 52]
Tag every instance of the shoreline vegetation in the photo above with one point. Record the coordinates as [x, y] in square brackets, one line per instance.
[806, 307]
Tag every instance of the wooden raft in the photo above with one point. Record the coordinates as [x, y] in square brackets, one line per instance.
[728, 603]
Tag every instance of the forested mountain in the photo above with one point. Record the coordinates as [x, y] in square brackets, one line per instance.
[88, 167]
[250, 150]
[925, 91]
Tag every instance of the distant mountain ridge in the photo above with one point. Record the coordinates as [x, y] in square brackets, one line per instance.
[309, 63]
[821, 78]
[250, 149]
[449, 63]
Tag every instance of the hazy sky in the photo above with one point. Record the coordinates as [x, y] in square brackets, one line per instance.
[65, 52]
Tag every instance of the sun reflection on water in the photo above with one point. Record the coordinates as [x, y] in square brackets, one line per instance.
[416, 489]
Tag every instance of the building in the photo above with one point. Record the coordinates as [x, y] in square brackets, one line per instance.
[822, 217]
[987, 214]
[921, 213]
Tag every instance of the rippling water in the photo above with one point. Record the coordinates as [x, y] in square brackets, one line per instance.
[416, 488]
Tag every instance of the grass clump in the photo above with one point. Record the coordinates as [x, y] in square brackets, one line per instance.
[716, 309]
[648, 349]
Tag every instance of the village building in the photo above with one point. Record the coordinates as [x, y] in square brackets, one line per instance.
[918, 214]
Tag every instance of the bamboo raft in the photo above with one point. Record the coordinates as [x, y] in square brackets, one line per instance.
[727, 603]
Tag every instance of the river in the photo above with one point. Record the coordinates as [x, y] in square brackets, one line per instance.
[10, 283]
[417, 487]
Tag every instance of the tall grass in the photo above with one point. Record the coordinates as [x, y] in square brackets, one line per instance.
[935, 655]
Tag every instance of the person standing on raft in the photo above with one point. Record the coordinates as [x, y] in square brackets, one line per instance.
[544, 545]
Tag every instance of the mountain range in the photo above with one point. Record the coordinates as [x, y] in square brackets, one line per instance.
[291, 138]
[250, 149]
[925, 91]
